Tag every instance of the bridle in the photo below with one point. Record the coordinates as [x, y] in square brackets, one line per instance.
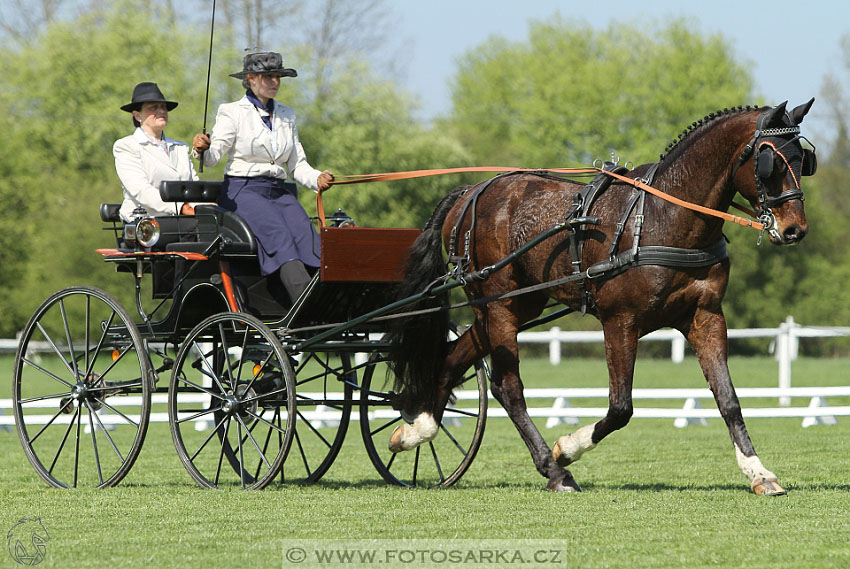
[765, 145]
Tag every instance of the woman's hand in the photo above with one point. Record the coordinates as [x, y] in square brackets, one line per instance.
[201, 143]
[324, 181]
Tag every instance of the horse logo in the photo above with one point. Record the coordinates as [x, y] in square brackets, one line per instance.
[27, 541]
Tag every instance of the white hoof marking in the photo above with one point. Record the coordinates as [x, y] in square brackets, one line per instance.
[753, 469]
[410, 436]
[569, 448]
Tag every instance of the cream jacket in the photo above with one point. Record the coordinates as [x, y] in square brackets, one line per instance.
[142, 166]
[240, 134]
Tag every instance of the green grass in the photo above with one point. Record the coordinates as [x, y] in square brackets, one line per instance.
[655, 496]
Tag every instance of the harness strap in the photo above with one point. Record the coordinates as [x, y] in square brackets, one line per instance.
[688, 205]
[660, 255]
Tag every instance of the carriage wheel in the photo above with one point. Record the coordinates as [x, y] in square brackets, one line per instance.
[82, 389]
[324, 385]
[440, 462]
[230, 402]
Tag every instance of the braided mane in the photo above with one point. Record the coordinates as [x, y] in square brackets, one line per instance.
[700, 123]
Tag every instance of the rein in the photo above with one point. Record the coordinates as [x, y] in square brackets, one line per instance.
[637, 183]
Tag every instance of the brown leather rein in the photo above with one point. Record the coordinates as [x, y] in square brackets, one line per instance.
[390, 176]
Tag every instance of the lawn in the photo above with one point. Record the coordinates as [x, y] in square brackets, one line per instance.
[655, 496]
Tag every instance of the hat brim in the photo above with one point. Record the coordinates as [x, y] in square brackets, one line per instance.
[130, 107]
[282, 72]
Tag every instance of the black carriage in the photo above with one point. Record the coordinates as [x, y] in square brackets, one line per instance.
[254, 387]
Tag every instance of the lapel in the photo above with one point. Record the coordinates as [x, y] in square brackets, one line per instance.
[153, 150]
[257, 126]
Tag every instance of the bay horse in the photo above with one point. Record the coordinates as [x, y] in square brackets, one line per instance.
[638, 263]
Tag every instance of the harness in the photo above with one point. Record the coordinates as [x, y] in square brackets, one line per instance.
[765, 145]
[575, 219]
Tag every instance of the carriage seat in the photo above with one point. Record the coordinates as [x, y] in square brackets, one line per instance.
[212, 219]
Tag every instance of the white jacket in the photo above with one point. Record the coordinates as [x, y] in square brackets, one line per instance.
[240, 134]
[142, 166]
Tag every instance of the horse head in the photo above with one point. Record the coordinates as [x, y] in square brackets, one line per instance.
[779, 163]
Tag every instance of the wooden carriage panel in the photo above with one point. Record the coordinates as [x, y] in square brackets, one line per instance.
[365, 254]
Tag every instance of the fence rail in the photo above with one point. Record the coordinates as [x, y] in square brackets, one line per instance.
[785, 348]
[561, 411]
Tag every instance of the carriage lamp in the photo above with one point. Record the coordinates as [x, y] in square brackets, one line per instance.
[147, 232]
[342, 219]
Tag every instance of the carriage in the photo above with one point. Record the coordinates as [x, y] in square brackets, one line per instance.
[259, 388]
[254, 387]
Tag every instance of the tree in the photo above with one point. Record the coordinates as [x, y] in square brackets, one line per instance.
[64, 92]
[571, 93]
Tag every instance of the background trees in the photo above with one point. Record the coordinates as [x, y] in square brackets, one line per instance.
[566, 96]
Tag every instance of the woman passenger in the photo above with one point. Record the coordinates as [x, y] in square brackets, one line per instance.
[259, 137]
[144, 159]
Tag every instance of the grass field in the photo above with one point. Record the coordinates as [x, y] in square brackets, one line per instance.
[655, 496]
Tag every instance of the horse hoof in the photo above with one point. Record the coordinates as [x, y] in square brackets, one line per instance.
[396, 441]
[566, 484]
[766, 487]
[561, 459]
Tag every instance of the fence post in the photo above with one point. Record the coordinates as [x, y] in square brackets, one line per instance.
[555, 346]
[677, 349]
[785, 352]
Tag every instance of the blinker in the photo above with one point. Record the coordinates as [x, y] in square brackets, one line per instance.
[765, 164]
[810, 163]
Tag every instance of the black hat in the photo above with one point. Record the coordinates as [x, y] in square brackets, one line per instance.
[264, 63]
[147, 92]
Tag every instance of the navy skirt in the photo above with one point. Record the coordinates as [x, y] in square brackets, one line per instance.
[283, 230]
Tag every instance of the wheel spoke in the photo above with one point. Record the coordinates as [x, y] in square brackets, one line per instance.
[454, 440]
[209, 438]
[437, 462]
[108, 436]
[250, 436]
[70, 342]
[312, 428]
[94, 442]
[64, 439]
[221, 454]
[116, 411]
[385, 425]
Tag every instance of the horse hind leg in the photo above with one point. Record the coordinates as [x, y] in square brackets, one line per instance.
[425, 426]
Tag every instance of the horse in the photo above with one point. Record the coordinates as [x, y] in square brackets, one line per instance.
[633, 260]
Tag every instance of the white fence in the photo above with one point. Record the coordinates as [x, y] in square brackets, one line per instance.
[785, 343]
[784, 346]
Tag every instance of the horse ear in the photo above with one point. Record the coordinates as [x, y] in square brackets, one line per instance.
[798, 113]
[774, 115]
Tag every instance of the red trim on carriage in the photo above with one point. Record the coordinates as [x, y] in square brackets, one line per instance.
[134, 254]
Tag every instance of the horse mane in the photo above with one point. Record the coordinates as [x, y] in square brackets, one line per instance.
[698, 126]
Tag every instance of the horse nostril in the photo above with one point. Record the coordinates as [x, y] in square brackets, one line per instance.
[793, 234]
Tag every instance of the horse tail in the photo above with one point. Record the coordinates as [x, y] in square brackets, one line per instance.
[419, 344]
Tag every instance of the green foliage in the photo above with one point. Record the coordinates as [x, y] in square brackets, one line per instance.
[573, 93]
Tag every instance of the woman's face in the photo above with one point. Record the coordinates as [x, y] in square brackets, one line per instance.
[264, 86]
[152, 116]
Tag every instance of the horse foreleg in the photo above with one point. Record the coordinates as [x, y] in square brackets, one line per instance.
[620, 349]
[707, 336]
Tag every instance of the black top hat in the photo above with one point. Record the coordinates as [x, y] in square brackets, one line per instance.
[264, 63]
[147, 92]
